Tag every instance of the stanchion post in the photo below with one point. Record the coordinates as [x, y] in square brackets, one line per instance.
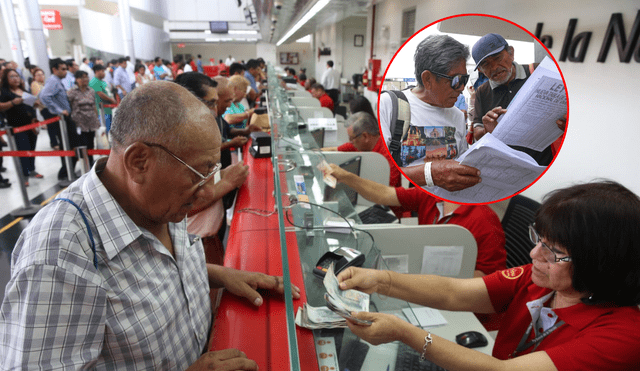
[65, 145]
[28, 209]
[83, 157]
[101, 114]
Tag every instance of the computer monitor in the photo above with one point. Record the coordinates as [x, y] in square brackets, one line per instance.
[352, 166]
[318, 136]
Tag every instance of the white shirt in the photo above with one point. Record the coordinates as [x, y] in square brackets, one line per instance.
[229, 61]
[85, 67]
[131, 71]
[330, 79]
[187, 68]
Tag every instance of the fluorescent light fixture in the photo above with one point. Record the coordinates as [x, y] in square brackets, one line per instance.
[312, 12]
[208, 32]
[213, 39]
[243, 32]
[304, 39]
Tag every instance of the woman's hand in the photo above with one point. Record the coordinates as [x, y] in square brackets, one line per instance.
[384, 329]
[365, 280]
[16, 101]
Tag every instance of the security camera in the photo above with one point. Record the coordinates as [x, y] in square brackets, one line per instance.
[278, 4]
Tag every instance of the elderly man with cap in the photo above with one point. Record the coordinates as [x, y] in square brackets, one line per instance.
[436, 125]
[494, 57]
[106, 277]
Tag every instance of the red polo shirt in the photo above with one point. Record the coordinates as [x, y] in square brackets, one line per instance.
[592, 338]
[394, 173]
[480, 220]
[326, 101]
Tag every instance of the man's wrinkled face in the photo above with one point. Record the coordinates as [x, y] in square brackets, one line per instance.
[499, 67]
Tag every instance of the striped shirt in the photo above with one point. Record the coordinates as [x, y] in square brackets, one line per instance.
[141, 309]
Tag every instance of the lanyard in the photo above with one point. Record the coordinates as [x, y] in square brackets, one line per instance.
[536, 341]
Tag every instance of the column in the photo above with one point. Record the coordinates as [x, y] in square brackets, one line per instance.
[9, 18]
[36, 41]
[125, 22]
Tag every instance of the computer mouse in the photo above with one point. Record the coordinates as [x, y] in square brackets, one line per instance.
[471, 339]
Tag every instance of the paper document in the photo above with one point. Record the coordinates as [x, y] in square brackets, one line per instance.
[504, 171]
[29, 99]
[397, 263]
[427, 317]
[531, 116]
[442, 260]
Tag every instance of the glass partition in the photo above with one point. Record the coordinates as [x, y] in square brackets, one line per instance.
[296, 157]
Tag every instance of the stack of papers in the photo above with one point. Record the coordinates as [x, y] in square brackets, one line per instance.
[338, 225]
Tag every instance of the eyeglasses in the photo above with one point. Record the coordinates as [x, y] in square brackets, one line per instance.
[547, 251]
[351, 139]
[456, 81]
[204, 178]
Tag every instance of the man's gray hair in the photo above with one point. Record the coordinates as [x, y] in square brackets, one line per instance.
[152, 112]
[438, 53]
[363, 122]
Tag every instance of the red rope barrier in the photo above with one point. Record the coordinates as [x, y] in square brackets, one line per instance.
[37, 153]
[99, 152]
[2, 132]
[35, 125]
[110, 106]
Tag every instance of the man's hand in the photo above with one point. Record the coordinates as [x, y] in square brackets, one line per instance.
[235, 174]
[245, 284]
[338, 172]
[452, 176]
[238, 141]
[224, 360]
[562, 122]
[490, 118]
[254, 127]
[65, 113]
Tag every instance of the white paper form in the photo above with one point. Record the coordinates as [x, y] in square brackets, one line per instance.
[330, 126]
[531, 117]
[29, 99]
[427, 317]
[442, 260]
[504, 171]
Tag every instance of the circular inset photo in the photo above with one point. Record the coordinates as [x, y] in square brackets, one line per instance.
[473, 109]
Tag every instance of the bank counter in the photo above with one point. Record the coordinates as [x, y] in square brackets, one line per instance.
[272, 233]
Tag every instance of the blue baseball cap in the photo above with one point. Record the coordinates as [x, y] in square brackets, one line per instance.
[488, 45]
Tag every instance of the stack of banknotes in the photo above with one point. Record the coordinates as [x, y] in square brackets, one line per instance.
[340, 304]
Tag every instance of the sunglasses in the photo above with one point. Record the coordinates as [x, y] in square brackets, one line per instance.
[456, 81]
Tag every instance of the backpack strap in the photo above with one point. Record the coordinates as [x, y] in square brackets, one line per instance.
[400, 122]
[86, 223]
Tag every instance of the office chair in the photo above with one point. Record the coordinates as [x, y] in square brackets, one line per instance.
[341, 110]
[520, 213]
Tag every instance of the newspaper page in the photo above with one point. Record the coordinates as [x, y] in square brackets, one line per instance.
[531, 116]
[504, 171]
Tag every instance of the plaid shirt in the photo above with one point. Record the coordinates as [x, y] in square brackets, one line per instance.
[141, 309]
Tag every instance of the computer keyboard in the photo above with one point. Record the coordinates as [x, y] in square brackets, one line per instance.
[376, 215]
[409, 360]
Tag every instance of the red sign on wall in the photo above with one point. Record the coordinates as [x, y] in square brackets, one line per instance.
[51, 19]
[181, 45]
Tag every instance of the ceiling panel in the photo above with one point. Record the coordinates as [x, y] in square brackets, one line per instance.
[293, 10]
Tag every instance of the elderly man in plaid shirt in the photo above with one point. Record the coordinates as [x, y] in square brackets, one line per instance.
[107, 277]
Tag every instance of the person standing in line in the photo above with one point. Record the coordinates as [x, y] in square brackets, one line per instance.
[102, 93]
[121, 78]
[331, 82]
[83, 111]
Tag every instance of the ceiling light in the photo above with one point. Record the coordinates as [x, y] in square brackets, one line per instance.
[243, 32]
[312, 12]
